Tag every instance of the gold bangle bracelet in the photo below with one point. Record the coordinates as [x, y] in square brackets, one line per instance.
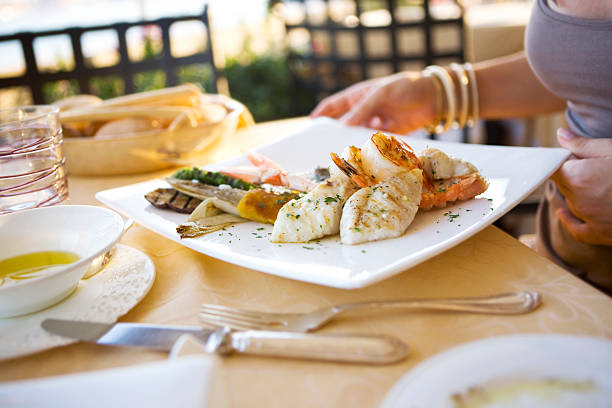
[463, 80]
[473, 115]
[436, 127]
[449, 92]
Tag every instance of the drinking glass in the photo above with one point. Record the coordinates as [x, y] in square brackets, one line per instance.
[32, 170]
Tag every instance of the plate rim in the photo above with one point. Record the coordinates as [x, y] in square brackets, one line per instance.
[395, 392]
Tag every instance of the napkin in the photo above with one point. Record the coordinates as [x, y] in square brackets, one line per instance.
[185, 381]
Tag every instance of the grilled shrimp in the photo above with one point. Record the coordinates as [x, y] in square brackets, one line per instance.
[389, 198]
[446, 179]
[383, 156]
[453, 179]
[265, 170]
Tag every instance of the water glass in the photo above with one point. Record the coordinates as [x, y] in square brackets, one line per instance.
[32, 170]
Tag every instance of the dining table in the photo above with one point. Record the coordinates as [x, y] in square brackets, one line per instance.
[489, 262]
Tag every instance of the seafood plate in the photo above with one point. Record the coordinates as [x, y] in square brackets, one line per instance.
[322, 253]
[368, 194]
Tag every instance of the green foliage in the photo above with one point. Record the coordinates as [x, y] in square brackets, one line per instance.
[152, 49]
[265, 85]
[149, 80]
[107, 87]
[196, 74]
[52, 91]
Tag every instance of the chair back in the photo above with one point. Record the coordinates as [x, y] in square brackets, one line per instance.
[126, 69]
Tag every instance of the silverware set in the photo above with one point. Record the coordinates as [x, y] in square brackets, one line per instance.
[284, 334]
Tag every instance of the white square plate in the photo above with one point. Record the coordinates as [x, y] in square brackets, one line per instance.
[513, 173]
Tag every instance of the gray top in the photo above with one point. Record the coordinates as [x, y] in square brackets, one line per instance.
[572, 57]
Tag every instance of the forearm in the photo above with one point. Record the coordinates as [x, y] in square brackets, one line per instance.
[507, 87]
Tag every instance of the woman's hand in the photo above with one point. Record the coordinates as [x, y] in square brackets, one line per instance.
[586, 182]
[397, 103]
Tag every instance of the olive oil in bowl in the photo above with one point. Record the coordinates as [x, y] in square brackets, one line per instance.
[32, 265]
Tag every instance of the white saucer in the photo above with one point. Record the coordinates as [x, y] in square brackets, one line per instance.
[511, 371]
[104, 297]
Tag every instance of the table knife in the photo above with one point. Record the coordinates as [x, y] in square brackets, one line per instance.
[369, 349]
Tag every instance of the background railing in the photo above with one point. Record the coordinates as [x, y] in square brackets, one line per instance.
[329, 72]
[125, 70]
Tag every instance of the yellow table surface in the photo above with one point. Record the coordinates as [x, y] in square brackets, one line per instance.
[489, 262]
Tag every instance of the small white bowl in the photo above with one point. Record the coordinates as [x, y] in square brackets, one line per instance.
[86, 231]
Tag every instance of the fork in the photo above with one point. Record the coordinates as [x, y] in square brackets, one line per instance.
[505, 303]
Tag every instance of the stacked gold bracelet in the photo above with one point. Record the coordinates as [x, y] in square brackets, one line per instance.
[449, 112]
[473, 116]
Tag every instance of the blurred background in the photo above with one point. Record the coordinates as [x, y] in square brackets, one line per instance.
[279, 58]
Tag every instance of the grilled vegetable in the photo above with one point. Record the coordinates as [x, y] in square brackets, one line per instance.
[172, 199]
[204, 210]
[263, 206]
[207, 225]
[212, 178]
[224, 198]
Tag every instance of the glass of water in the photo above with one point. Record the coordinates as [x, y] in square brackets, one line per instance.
[32, 169]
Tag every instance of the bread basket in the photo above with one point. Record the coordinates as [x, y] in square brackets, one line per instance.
[151, 150]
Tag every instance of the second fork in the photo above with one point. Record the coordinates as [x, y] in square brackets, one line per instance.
[505, 303]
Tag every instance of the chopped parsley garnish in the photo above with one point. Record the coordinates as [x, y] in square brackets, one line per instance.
[330, 200]
[451, 216]
[309, 248]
